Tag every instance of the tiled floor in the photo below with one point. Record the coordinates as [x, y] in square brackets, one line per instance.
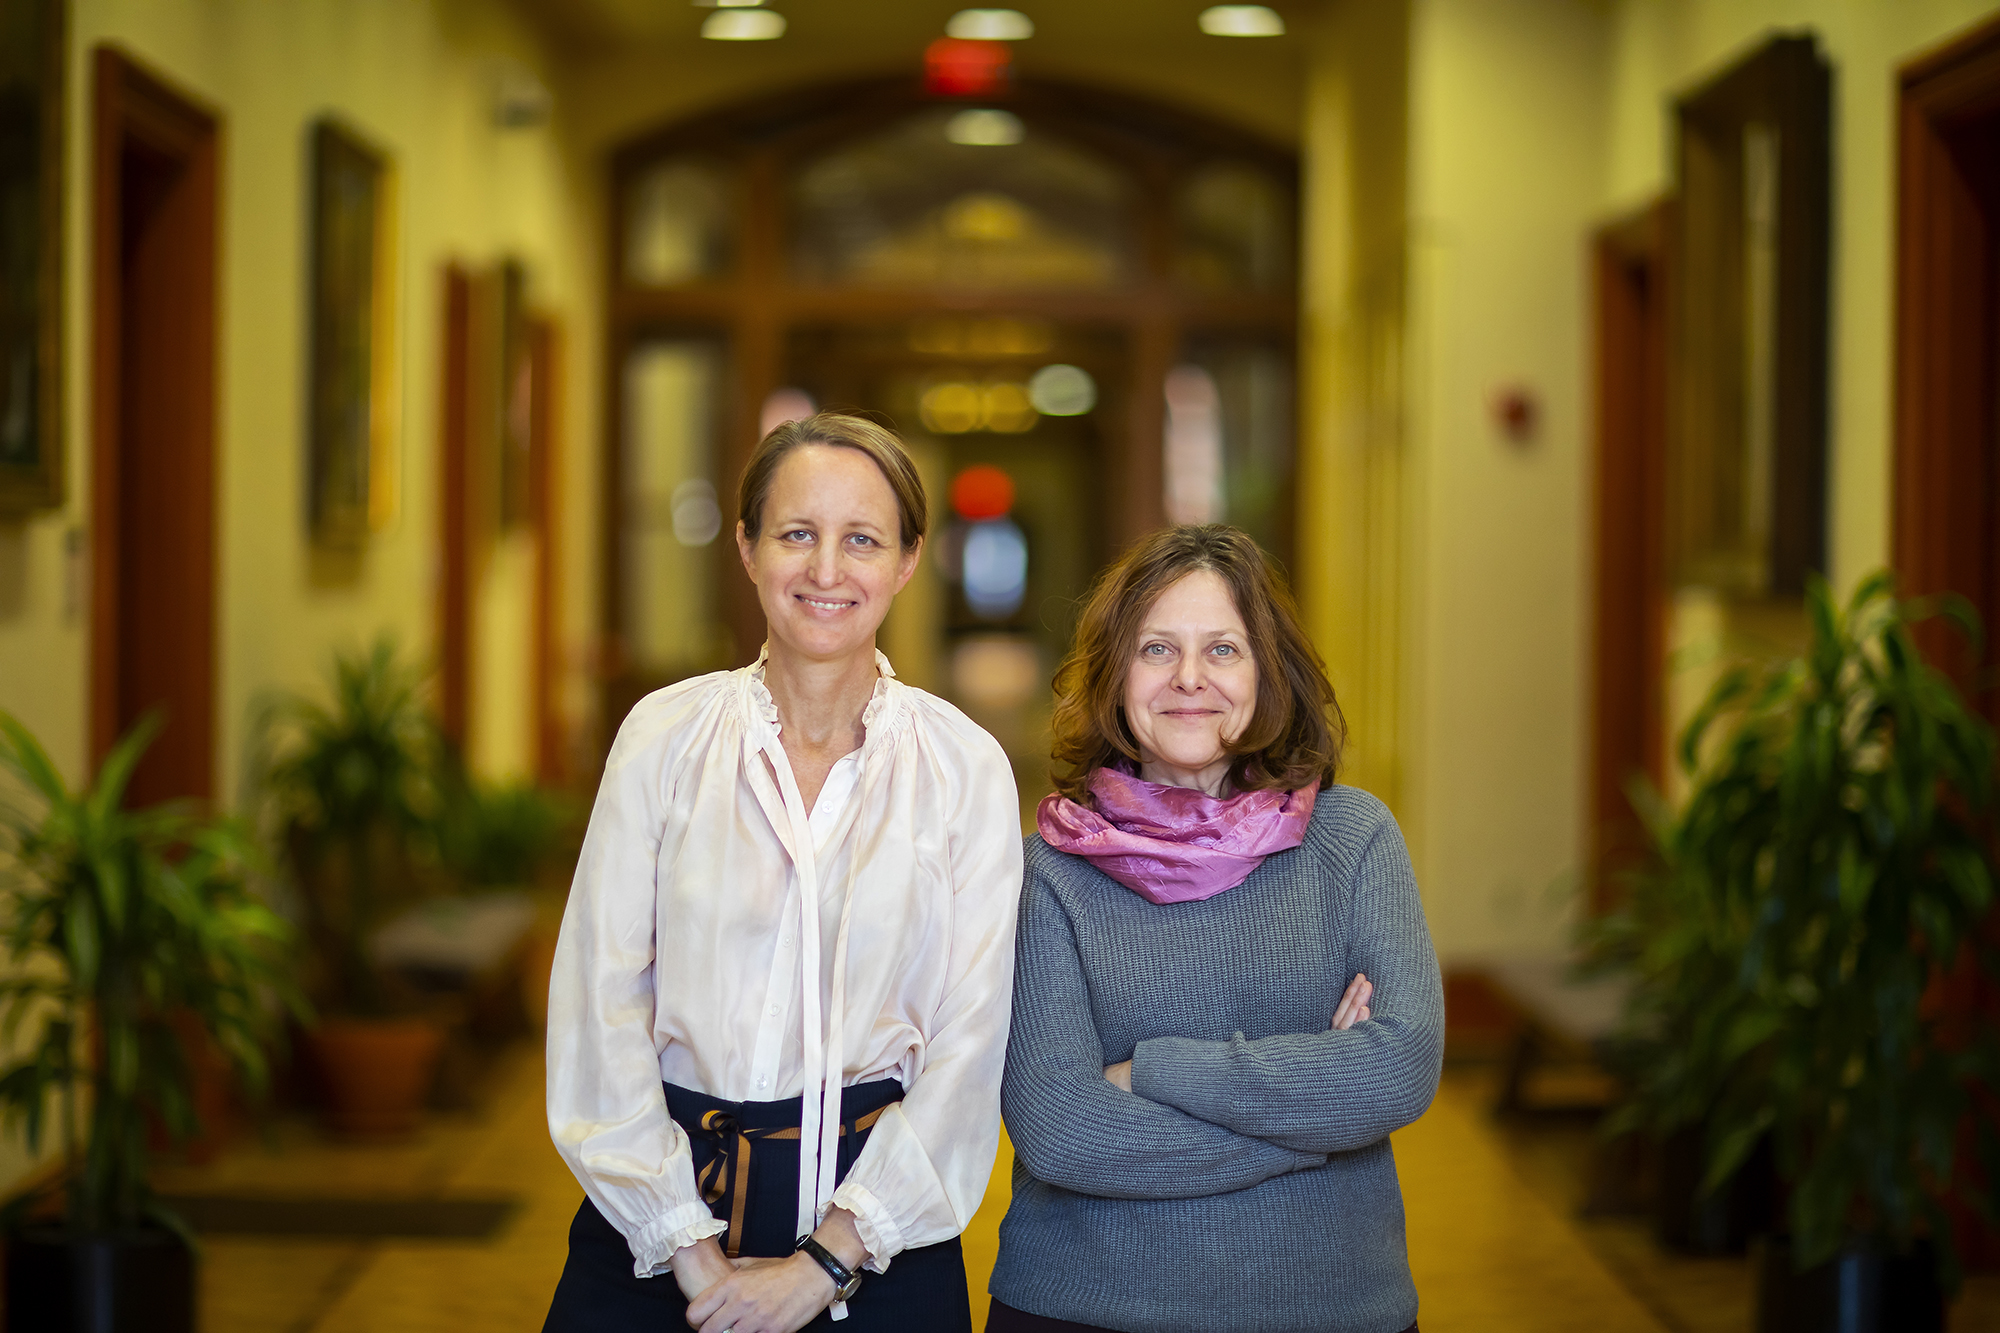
[1493, 1237]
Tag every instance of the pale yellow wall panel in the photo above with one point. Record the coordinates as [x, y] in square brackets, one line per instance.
[418, 80]
[1506, 153]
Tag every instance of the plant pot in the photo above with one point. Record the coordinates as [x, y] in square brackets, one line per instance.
[129, 1282]
[1720, 1222]
[1862, 1289]
[377, 1073]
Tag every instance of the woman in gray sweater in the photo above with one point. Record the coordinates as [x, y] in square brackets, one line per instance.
[1225, 997]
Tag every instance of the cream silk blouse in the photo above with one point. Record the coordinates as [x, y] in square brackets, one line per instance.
[721, 938]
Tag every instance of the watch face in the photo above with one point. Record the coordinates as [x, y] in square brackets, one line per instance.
[853, 1285]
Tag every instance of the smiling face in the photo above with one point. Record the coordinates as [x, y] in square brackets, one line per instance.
[1191, 686]
[827, 560]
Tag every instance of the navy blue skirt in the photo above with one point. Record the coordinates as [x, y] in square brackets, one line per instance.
[924, 1289]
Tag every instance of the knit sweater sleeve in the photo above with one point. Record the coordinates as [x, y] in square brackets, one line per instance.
[1328, 1091]
[1073, 1128]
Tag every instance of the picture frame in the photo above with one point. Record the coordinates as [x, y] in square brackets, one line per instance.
[351, 463]
[1747, 446]
[33, 45]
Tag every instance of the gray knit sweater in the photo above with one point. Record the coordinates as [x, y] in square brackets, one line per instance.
[1246, 1181]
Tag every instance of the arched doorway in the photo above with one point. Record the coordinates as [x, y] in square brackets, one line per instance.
[1094, 294]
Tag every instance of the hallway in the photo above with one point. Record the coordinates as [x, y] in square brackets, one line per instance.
[1494, 1243]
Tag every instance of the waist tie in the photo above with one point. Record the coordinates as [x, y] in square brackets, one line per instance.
[730, 1169]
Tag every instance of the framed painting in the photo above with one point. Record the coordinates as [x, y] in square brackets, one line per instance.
[32, 47]
[351, 462]
[1747, 451]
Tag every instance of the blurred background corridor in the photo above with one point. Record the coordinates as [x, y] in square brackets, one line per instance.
[377, 369]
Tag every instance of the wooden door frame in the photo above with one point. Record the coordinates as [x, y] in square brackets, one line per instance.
[1946, 509]
[454, 603]
[1629, 262]
[1946, 516]
[545, 515]
[132, 104]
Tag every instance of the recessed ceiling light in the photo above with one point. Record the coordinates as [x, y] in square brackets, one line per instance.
[743, 25]
[984, 128]
[727, 4]
[990, 25]
[1241, 21]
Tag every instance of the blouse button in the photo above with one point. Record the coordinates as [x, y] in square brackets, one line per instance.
[762, 1081]
[774, 1011]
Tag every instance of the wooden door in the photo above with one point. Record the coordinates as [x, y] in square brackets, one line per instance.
[1628, 664]
[153, 425]
[1947, 466]
[545, 514]
[454, 628]
[1947, 506]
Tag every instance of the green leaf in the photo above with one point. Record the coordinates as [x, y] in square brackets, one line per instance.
[108, 793]
[25, 755]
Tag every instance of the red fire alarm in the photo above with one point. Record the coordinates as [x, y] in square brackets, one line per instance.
[1518, 413]
[958, 68]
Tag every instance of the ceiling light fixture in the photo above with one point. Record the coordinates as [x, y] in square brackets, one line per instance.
[984, 128]
[1241, 21]
[990, 25]
[727, 4]
[743, 25]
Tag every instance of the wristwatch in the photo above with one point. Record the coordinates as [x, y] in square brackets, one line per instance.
[845, 1280]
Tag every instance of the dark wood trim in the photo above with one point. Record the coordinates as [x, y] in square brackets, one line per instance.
[1628, 659]
[154, 290]
[43, 483]
[106, 329]
[1946, 516]
[706, 302]
[545, 515]
[1947, 477]
[1714, 538]
[454, 510]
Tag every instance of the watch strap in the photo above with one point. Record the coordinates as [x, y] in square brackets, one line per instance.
[845, 1280]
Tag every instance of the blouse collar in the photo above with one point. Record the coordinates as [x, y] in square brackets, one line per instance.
[763, 708]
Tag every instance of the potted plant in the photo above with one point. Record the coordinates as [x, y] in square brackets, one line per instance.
[351, 781]
[123, 929]
[1833, 862]
[505, 846]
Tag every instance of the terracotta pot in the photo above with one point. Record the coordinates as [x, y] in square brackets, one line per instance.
[378, 1073]
[130, 1282]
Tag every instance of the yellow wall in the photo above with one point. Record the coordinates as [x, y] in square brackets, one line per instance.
[1506, 156]
[1661, 51]
[1352, 529]
[417, 79]
[1531, 122]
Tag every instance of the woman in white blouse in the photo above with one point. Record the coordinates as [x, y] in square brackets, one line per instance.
[780, 1002]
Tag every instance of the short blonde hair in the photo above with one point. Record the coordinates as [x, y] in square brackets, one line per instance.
[840, 431]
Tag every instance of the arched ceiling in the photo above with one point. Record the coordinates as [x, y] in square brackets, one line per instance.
[627, 64]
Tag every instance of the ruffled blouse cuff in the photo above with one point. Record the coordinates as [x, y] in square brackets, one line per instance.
[878, 1230]
[656, 1244]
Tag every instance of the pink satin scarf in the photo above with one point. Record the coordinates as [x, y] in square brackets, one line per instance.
[1174, 844]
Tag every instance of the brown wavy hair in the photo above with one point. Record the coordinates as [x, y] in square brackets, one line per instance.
[841, 431]
[1296, 733]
